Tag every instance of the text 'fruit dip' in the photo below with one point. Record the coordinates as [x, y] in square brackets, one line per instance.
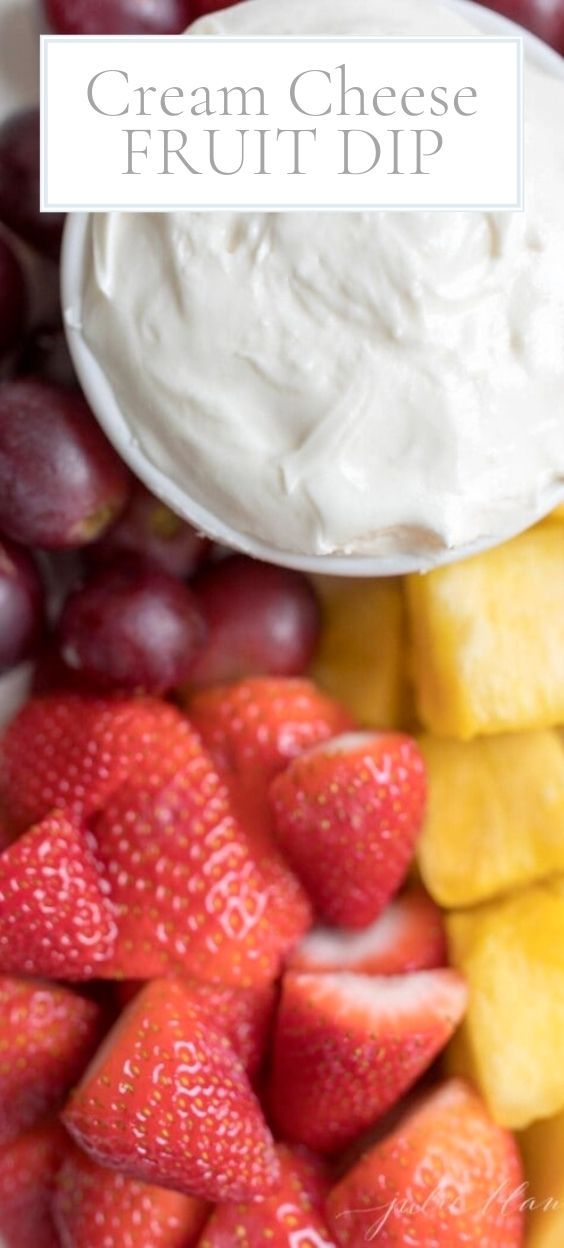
[360, 383]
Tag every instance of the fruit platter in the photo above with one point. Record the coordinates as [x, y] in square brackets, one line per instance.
[281, 852]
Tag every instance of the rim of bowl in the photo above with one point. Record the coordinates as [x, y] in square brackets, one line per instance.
[106, 408]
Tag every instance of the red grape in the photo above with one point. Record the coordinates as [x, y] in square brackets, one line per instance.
[61, 483]
[149, 528]
[118, 17]
[133, 627]
[22, 613]
[52, 675]
[544, 17]
[262, 620]
[13, 299]
[19, 185]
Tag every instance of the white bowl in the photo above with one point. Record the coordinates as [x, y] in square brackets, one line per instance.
[102, 399]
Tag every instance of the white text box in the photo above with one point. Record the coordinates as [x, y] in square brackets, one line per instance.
[276, 124]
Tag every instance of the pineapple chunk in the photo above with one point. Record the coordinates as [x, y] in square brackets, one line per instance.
[488, 639]
[495, 818]
[543, 1153]
[361, 659]
[511, 1041]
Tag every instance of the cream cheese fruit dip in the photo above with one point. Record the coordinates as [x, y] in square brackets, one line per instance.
[360, 383]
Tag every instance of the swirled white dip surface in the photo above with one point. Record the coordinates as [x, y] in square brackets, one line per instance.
[362, 383]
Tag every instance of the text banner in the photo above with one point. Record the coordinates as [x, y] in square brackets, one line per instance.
[276, 124]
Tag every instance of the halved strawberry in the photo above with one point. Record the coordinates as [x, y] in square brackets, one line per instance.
[167, 1101]
[256, 726]
[346, 1047]
[28, 1167]
[69, 751]
[56, 919]
[446, 1176]
[95, 1207]
[291, 1217]
[409, 935]
[48, 1034]
[190, 892]
[243, 1014]
[348, 814]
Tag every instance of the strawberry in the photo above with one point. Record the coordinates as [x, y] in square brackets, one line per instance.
[168, 1102]
[69, 751]
[252, 810]
[346, 1047]
[48, 1034]
[256, 726]
[347, 817]
[97, 1208]
[248, 799]
[253, 728]
[55, 916]
[408, 936]
[28, 1167]
[243, 1014]
[290, 1218]
[446, 1176]
[190, 894]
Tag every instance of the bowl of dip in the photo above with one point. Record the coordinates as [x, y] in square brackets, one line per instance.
[360, 394]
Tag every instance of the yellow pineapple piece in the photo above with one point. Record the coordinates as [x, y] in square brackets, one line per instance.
[512, 1039]
[495, 817]
[361, 659]
[488, 639]
[543, 1153]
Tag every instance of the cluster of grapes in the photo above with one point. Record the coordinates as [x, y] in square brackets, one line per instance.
[151, 603]
[154, 604]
